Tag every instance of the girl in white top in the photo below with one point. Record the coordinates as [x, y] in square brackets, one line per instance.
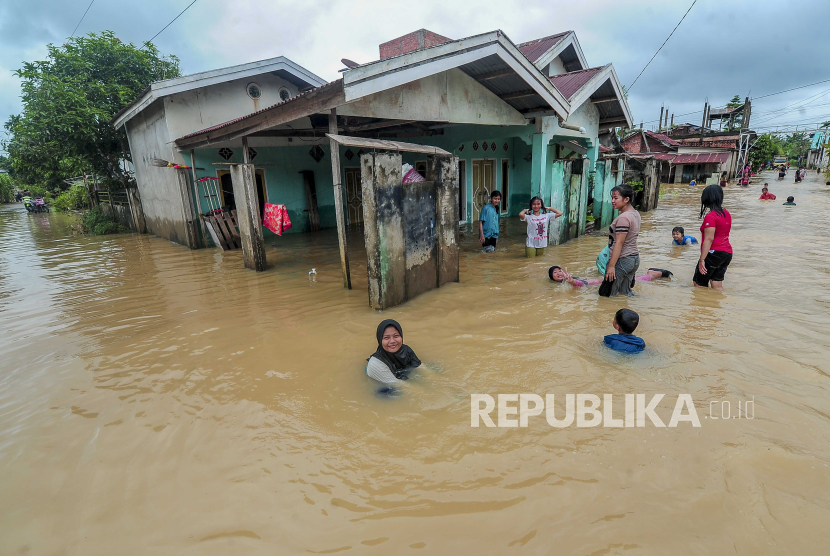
[538, 221]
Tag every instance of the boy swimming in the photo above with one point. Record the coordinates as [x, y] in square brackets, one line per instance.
[679, 237]
[625, 322]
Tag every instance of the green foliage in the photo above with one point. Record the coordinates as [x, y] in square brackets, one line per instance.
[796, 145]
[68, 102]
[766, 147]
[637, 186]
[74, 198]
[100, 223]
[7, 188]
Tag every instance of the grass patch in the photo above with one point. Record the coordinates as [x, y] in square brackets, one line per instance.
[100, 223]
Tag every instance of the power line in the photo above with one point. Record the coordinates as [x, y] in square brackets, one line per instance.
[793, 89]
[82, 18]
[171, 22]
[664, 42]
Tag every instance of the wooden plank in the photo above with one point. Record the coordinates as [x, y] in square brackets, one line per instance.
[217, 232]
[196, 199]
[384, 144]
[378, 125]
[493, 75]
[338, 198]
[319, 100]
[224, 233]
[233, 227]
[518, 94]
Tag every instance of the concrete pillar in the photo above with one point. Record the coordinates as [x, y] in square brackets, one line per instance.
[600, 168]
[539, 166]
[248, 217]
[443, 171]
[589, 164]
[383, 226]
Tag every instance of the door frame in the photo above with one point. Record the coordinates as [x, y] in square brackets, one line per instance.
[462, 190]
[492, 181]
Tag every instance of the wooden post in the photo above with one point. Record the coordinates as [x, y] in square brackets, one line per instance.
[196, 200]
[338, 201]
[187, 207]
[248, 217]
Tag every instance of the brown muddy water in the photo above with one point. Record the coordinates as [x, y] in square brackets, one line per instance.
[155, 400]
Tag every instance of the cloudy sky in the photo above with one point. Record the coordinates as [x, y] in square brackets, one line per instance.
[722, 48]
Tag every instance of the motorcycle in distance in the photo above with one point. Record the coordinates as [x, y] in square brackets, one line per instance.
[35, 205]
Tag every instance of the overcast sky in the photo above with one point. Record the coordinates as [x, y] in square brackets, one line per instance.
[722, 48]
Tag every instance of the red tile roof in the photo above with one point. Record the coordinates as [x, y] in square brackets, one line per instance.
[235, 120]
[604, 149]
[701, 158]
[569, 83]
[533, 50]
[664, 138]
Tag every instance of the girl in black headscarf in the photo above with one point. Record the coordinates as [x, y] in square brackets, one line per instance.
[393, 359]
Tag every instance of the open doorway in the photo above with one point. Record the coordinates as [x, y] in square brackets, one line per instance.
[226, 190]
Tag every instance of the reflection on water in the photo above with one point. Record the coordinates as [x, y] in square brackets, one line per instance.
[166, 401]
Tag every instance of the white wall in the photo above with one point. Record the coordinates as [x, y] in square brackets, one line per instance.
[556, 67]
[158, 188]
[198, 109]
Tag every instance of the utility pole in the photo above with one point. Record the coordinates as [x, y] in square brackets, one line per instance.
[660, 125]
[703, 123]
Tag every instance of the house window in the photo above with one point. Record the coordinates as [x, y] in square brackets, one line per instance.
[254, 91]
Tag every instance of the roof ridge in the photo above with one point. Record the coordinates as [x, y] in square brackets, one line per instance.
[545, 38]
[579, 71]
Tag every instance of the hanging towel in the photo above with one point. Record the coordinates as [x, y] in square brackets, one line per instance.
[411, 175]
[276, 218]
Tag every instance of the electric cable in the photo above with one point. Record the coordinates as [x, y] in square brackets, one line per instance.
[664, 43]
[82, 18]
[171, 22]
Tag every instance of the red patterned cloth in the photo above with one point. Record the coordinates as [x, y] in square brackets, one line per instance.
[276, 218]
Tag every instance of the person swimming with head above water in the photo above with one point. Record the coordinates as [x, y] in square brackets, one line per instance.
[557, 274]
[393, 360]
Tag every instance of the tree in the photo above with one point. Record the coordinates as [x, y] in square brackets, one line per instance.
[735, 123]
[796, 145]
[764, 149]
[68, 102]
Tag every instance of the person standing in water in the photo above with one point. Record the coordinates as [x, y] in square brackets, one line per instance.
[622, 239]
[538, 221]
[715, 249]
[393, 360]
[488, 223]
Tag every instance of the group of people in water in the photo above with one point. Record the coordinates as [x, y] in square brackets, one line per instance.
[393, 360]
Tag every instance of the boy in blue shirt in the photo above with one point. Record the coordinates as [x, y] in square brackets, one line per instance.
[680, 238]
[625, 322]
[488, 223]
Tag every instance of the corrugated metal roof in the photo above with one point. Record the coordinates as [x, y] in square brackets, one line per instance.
[701, 158]
[664, 156]
[604, 149]
[570, 83]
[663, 138]
[534, 49]
[235, 120]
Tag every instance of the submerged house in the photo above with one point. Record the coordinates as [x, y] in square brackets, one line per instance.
[521, 118]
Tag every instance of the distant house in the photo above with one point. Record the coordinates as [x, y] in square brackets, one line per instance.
[816, 154]
[683, 154]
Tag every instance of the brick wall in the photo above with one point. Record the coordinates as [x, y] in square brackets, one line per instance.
[417, 40]
[633, 144]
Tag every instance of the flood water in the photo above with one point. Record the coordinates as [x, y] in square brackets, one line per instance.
[156, 400]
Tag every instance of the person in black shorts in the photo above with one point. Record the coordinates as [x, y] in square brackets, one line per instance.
[715, 249]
